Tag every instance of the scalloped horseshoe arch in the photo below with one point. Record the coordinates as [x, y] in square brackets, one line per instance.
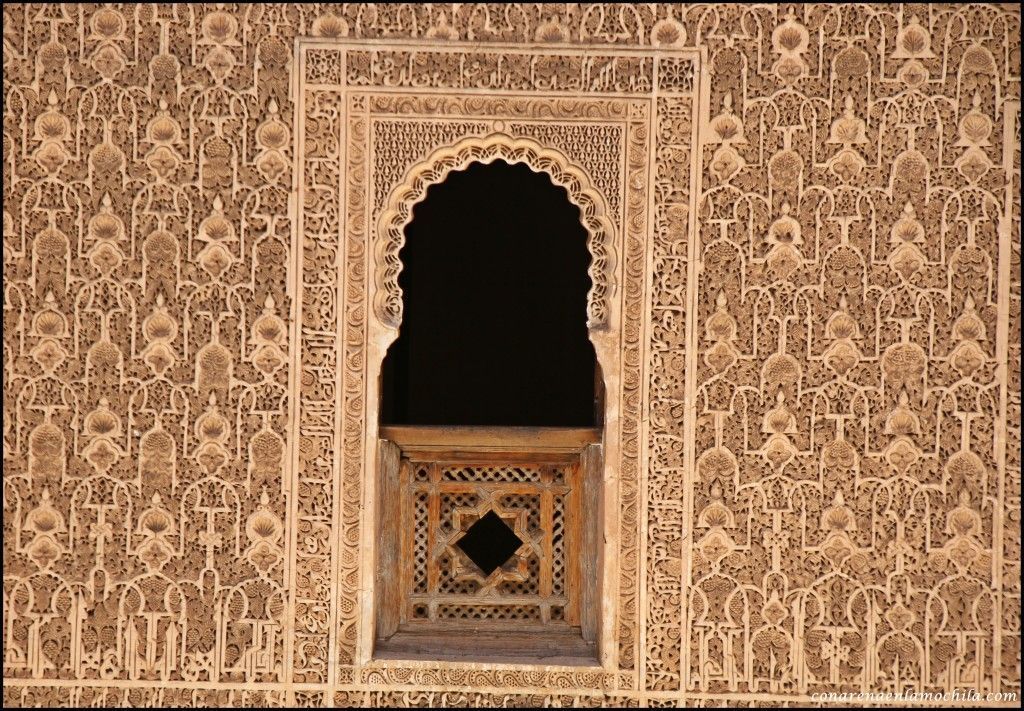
[494, 147]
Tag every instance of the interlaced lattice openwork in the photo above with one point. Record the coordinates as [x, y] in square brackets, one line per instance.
[452, 502]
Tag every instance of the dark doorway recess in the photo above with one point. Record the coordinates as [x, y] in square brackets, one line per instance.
[494, 283]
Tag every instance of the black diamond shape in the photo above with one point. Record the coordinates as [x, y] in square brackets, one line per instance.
[489, 542]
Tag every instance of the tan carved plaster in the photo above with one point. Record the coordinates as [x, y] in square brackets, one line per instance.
[614, 338]
[814, 320]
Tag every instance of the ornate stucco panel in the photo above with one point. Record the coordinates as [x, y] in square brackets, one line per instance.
[402, 136]
[814, 286]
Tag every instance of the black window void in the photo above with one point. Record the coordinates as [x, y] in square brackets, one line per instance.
[494, 282]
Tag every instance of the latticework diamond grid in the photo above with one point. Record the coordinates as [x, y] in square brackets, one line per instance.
[529, 584]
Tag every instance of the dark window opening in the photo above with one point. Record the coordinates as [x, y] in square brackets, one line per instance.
[489, 543]
[495, 284]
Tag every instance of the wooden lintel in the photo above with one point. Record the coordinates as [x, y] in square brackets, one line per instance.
[553, 440]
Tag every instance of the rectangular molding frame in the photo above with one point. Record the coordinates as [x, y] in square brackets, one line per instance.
[410, 99]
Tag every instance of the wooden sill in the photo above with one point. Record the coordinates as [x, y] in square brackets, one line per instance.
[564, 648]
[550, 440]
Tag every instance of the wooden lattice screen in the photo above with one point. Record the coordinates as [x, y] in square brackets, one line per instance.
[487, 530]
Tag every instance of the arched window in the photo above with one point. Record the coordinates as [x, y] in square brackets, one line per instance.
[491, 404]
[494, 282]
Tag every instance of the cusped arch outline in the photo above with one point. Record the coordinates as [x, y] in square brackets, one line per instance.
[488, 149]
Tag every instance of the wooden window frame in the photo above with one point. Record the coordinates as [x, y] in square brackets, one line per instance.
[576, 450]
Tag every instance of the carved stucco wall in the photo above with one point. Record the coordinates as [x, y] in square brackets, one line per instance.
[829, 496]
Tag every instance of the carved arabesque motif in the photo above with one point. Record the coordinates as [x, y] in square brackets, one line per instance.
[821, 299]
[146, 352]
[847, 345]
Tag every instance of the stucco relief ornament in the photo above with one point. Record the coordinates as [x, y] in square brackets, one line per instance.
[52, 129]
[103, 428]
[218, 234]
[974, 130]
[907, 239]
[264, 529]
[46, 526]
[106, 230]
[884, 552]
[46, 454]
[273, 137]
[107, 24]
[717, 519]
[212, 430]
[329, 25]
[779, 424]
[970, 332]
[848, 131]
[840, 525]
[108, 62]
[963, 551]
[913, 41]
[160, 330]
[158, 531]
[790, 40]
[268, 334]
[50, 327]
[728, 131]
[442, 30]
[843, 353]
[785, 239]
[668, 33]
[720, 331]
[164, 134]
